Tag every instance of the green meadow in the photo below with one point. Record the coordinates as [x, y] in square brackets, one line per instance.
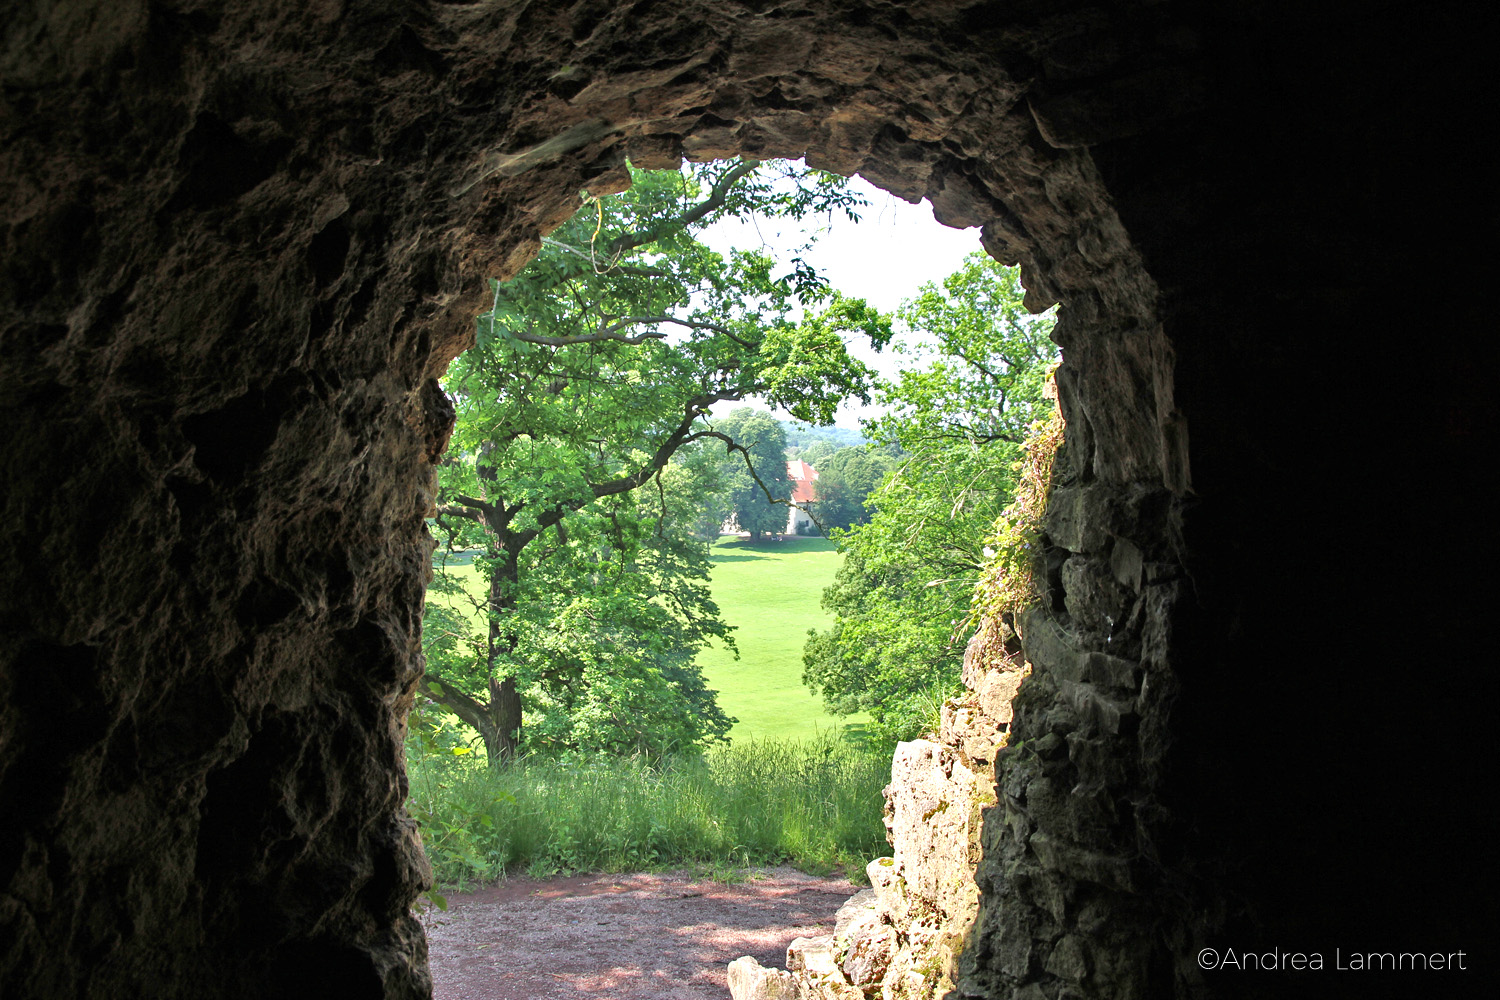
[769, 590]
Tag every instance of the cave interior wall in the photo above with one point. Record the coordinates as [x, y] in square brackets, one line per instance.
[240, 242]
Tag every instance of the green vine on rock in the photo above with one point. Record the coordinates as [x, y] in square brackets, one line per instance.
[1007, 583]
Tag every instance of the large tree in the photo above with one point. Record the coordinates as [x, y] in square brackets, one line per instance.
[758, 492]
[907, 575]
[592, 370]
[609, 613]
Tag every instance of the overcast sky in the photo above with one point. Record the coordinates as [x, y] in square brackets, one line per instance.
[886, 257]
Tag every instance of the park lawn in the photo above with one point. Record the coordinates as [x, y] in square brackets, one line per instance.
[770, 592]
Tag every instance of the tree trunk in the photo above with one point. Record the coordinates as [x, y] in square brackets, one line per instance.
[502, 735]
[497, 719]
[501, 730]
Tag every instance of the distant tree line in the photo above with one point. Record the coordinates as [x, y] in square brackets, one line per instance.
[846, 474]
[800, 438]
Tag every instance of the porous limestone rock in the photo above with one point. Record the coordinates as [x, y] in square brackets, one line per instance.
[901, 938]
[890, 891]
[857, 910]
[749, 980]
[813, 956]
[868, 950]
[934, 825]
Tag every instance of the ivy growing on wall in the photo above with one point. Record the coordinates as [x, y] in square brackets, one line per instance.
[1007, 583]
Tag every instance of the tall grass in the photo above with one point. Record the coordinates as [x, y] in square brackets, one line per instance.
[815, 804]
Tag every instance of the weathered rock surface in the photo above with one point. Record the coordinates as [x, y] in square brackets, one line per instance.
[901, 938]
[239, 241]
[749, 980]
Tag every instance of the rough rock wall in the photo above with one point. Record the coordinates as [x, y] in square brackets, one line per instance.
[1206, 753]
[240, 240]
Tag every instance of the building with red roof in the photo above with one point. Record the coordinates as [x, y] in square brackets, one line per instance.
[802, 476]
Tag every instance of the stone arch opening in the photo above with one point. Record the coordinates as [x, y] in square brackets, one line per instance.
[1043, 205]
[241, 243]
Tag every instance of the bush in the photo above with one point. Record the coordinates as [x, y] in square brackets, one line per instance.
[815, 804]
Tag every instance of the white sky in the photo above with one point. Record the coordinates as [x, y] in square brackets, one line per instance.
[887, 256]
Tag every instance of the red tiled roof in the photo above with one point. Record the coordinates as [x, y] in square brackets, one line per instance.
[802, 476]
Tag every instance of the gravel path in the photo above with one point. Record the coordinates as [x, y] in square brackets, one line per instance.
[664, 936]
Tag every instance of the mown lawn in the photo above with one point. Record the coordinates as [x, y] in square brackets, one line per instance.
[770, 591]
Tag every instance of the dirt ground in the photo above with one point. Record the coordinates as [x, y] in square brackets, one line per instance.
[663, 936]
